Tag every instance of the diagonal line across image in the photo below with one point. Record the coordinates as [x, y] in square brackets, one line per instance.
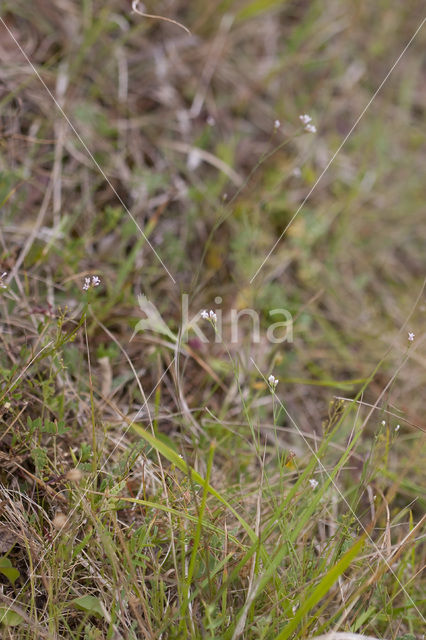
[86, 148]
[335, 154]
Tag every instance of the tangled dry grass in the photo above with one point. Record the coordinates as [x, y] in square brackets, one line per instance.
[155, 486]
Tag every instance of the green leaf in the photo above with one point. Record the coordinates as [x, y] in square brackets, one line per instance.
[61, 427]
[40, 458]
[89, 604]
[8, 570]
[259, 7]
[175, 459]
[321, 589]
[9, 618]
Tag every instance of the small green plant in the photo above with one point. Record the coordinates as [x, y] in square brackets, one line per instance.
[162, 478]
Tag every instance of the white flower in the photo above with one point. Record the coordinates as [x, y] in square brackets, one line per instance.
[93, 281]
[384, 423]
[277, 124]
[411, 336]
[313, 483]
[307, 121]
[397, 428]
[2, 285]
[209, 315]
[194, 159]
[273, 382]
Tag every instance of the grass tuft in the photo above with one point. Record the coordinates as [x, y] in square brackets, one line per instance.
[212, 283]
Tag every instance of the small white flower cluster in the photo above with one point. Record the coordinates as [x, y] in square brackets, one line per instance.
[2, 285]
[273, 382]
[313, 483]
[277, 124]
[307, 121]
[209, 315]
[93, 281]
[411, 336]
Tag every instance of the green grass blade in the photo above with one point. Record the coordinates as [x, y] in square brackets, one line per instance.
[175, 459]
[322, 588]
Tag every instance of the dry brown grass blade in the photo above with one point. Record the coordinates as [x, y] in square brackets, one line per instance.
[135, 5]
[38, 629]
[392, 558]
